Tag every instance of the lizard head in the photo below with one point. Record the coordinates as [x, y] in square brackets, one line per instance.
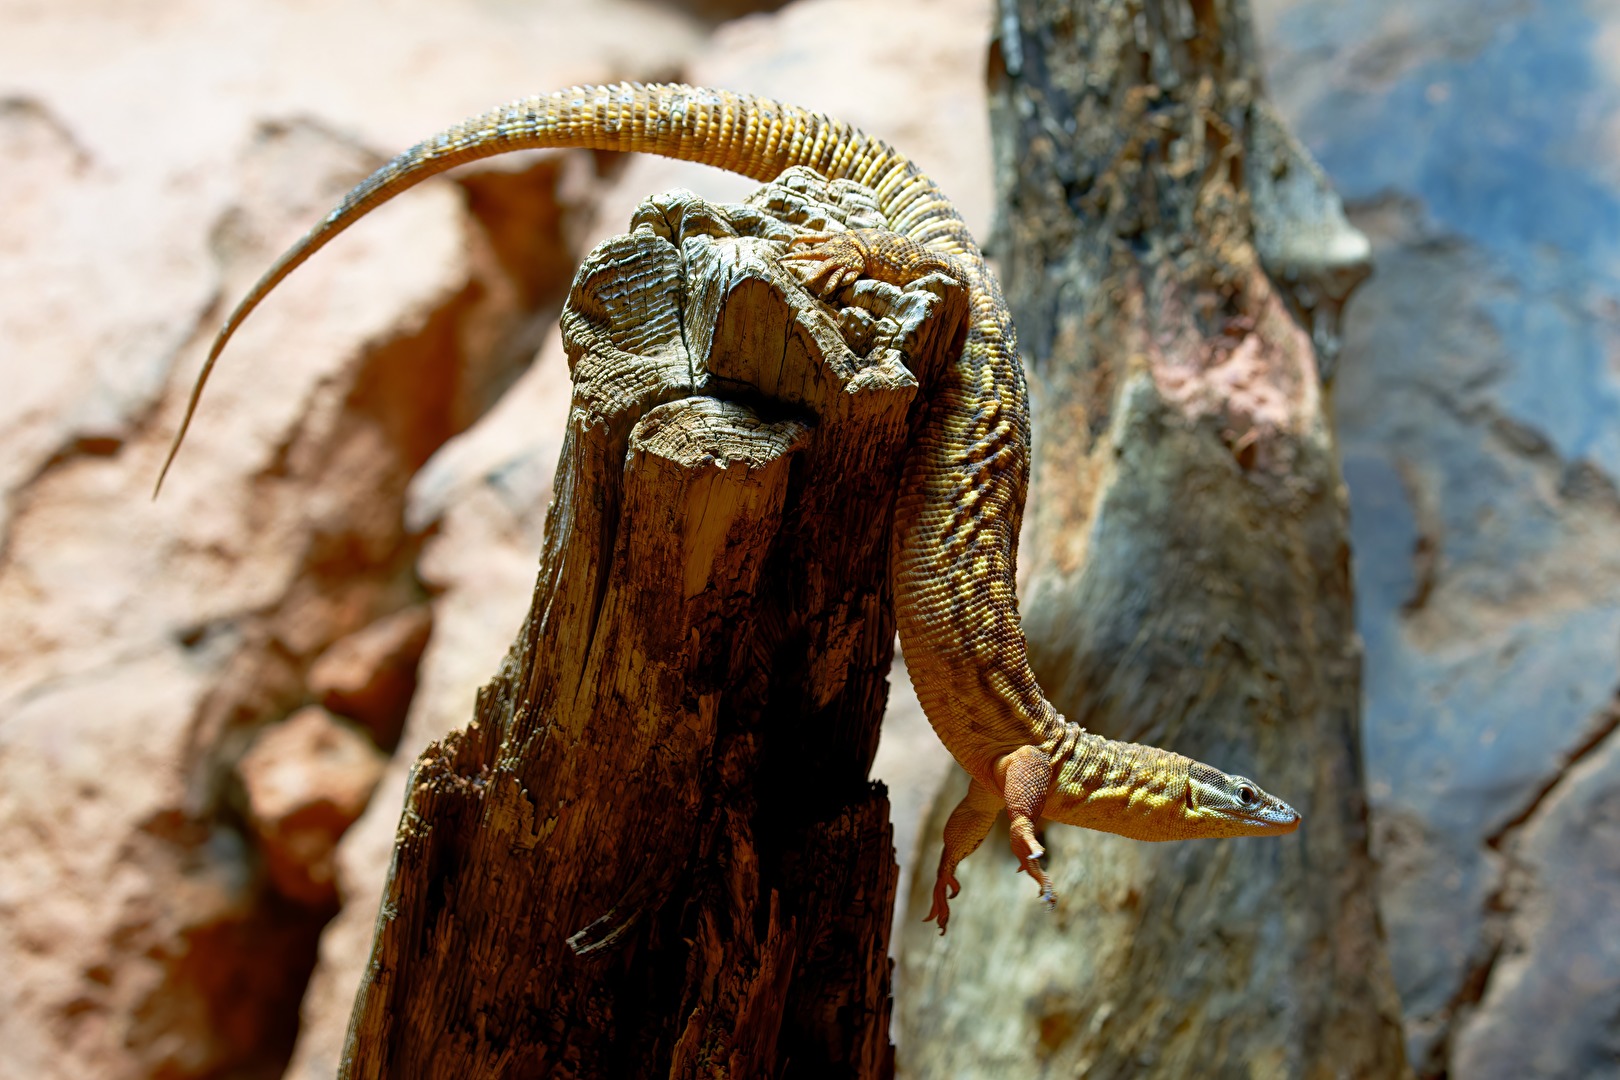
[1223, 805]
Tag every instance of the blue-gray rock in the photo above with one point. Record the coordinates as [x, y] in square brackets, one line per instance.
[1479, 412]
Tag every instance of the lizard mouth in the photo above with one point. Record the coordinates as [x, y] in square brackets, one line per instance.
[1277, 820]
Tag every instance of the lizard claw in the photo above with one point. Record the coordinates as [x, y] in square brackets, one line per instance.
[1033, 868]
[1030, 852]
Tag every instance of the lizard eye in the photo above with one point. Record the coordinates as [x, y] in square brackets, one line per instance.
[1247, 795]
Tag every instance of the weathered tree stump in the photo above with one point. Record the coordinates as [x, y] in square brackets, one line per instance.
[655, 851]
[1189, 578]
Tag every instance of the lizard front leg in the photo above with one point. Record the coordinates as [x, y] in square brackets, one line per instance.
[965, 830]
[1025, 778]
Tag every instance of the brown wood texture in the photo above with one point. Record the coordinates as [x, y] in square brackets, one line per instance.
[655, 851]
[1188, 581]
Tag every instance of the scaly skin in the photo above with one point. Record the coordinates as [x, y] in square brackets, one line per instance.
[962, 497]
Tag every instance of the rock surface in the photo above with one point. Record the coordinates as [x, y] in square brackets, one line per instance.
[370, 675]
[158, 156]
[307, 779]
[1478, 404]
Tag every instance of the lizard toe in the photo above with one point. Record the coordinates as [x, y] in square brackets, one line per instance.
[825, 262]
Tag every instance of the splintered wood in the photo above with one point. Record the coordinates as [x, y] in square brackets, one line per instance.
[655, 850]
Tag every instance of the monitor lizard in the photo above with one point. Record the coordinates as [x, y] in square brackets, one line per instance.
[961, 501]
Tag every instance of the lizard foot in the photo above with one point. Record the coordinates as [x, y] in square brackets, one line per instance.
[964, 831]
[1034, 870]
[946, 887]
[826, 262]
[1026, 778]
[1030, 852]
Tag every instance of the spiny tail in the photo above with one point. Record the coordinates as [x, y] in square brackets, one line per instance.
[756, 137]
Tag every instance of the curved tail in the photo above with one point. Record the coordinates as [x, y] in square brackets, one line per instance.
[756, 137]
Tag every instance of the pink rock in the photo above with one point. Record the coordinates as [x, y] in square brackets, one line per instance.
[370, 676]
[307, 780]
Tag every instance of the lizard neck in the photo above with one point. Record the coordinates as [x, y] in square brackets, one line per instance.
[1126, 788]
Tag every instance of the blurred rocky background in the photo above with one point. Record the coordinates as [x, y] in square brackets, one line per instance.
[208, 704]
[1478, 401]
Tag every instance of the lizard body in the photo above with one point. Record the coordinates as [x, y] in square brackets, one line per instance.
[961, 502]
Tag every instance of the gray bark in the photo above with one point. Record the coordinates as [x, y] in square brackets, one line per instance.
[1188, 571]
